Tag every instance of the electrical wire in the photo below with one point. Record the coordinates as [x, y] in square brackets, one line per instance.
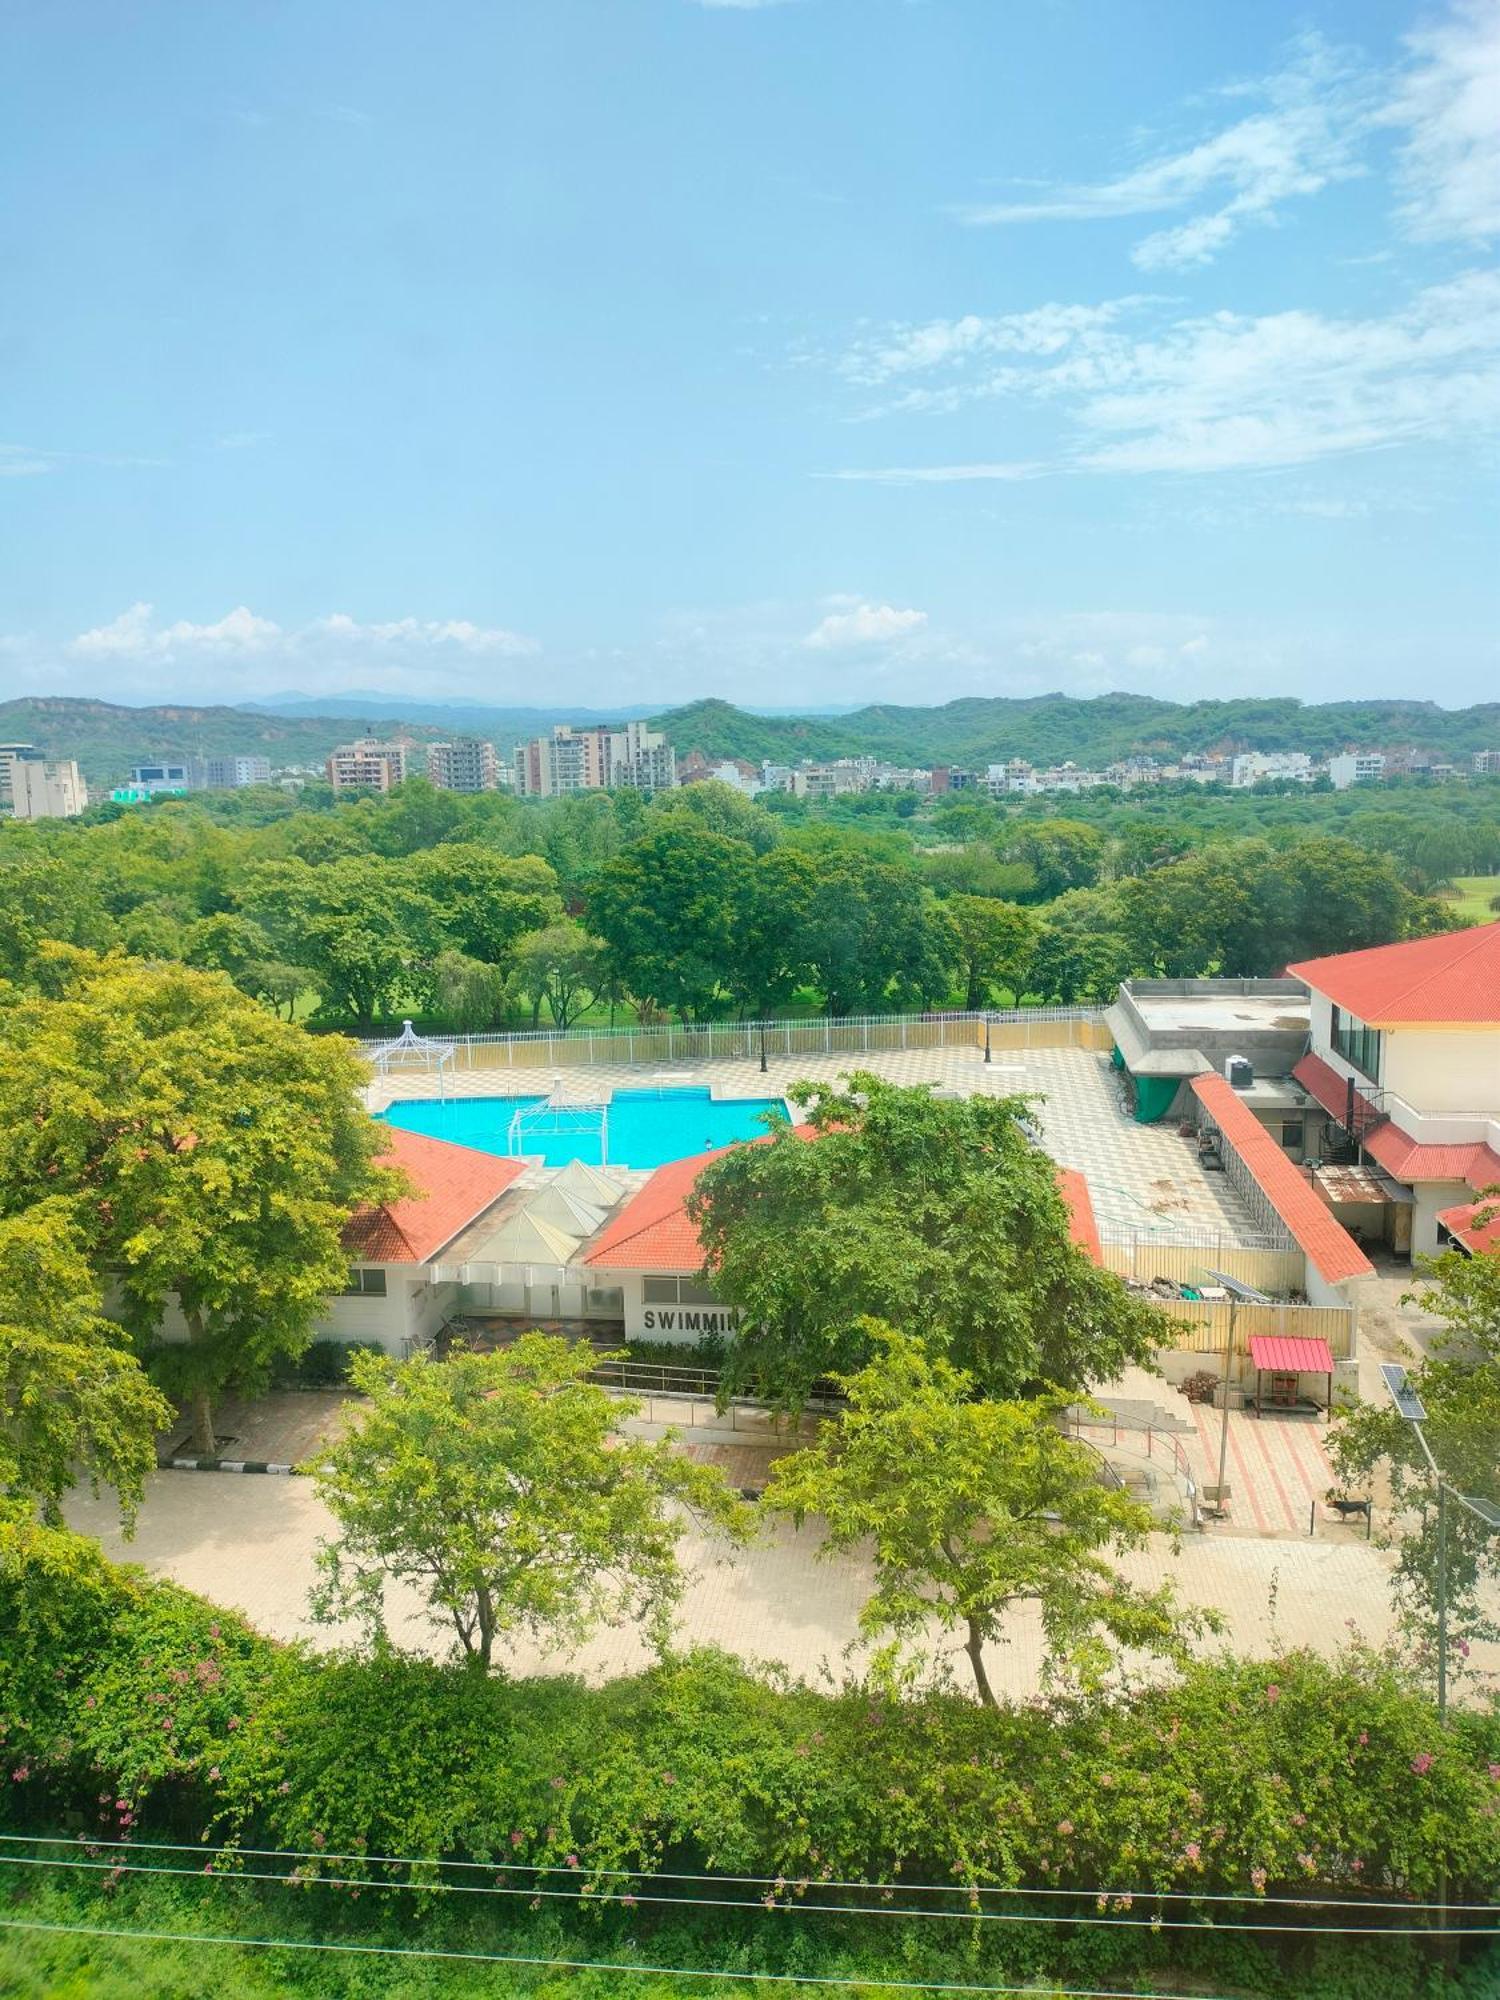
[864, 1983]
[1410, 1905]
[770, 1905]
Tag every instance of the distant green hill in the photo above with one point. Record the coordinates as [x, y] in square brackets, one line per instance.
[1047, 729]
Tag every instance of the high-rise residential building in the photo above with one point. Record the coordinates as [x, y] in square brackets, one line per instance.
[466, 764]
[367, 766]
[232, 774]
[630, 757]
[34, 786]
[1487, 763]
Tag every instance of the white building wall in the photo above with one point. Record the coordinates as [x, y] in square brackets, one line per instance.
[1444, 1069]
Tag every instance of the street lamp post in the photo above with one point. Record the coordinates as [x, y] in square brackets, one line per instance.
[762, 1026]
[986, 1037]
[1239, 1294]
[1410, 1406]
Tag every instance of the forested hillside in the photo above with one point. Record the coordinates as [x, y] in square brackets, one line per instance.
[1048, 729]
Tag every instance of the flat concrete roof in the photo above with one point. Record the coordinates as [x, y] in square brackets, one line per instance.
[1222, 1014]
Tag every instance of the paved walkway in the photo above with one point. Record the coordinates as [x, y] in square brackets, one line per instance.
[250, 1542]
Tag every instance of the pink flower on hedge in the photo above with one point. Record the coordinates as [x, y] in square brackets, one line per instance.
[1357, 1865]
[89, 1701]
[557, 1784]
[1495, 1773]
[1192, 1851]
[234, 1722]
[1273, 1693]
[213, 1631]
[1364, 1737]
[1299, 1819]
[21, 1773]
[1258, 1879]
[628, 1900]
[1065, 1826]
[515, 1840]
[213, 1772]
[668, 1778]
[317, 1840]
[1422, 1763]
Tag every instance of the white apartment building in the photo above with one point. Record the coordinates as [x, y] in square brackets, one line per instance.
[233, 773]
[630, 757]
[1356, 767]
[33, 786]
[1252, 765]
[1487, 763]
[466, 764]
[367, 766]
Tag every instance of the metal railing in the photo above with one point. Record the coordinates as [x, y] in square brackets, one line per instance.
[743, 1041]
[1075, 1420]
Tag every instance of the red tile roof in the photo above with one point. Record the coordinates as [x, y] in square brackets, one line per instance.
[652, 1231]
[1082, 1226]
[1322, 1081]
[1410, 1160]
[1327, 1245]
[454, 1183]
[1451, 979]
[1291, 1353]
[1465, 1223]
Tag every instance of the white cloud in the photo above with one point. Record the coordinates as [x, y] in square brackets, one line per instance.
[1044, 330]
[1230, 391]
[865, 625]
[1447, 102]
[421, 632]
[19, 461]
[1303, 138]
[133, 636]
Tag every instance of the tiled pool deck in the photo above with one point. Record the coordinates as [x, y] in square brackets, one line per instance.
[1142, 1178]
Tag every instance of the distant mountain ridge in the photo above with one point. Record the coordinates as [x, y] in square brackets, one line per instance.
[107, 738]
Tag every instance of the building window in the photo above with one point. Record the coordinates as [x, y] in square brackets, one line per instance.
[675, 1292]
[1293, 1135]
[365, 1284]
[1357, 1044]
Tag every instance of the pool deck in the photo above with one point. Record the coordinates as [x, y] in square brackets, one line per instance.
[1143, 1179]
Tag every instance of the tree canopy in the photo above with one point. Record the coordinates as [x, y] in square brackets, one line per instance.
[974, 1508]
[503, 1487]
[934, 1216]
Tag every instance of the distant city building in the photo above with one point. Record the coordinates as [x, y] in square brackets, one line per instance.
[367, 766]
[232, 774]
[165, 774]
[1487, 763]
[1356, 767]
[34, 786]
[466, 764]
[628, 758]
[1251, 766]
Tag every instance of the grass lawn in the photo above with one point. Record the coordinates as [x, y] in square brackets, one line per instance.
[1472, 896]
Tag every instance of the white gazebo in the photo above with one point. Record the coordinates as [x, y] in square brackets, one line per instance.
[412, 1052]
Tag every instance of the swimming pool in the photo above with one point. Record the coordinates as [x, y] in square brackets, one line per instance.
[644, 1128]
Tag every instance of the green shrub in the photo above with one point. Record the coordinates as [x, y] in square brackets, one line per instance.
[323, 1364]
[1302, 1777]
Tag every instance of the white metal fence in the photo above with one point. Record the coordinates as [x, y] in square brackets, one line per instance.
[745, 1041]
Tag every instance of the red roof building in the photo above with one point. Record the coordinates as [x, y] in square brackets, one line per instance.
[1449, 980]
[652, 1231]
[1328, 1247]
[1475, 1225]
[454, 1184]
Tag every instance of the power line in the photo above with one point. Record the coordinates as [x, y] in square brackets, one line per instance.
[864, 1982]
[769, 1905]
[1410, 1905]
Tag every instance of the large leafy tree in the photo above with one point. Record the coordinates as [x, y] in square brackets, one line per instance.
[1081, 951]
[1459, 1384]
[483, 902]
[562, 968]
[668, 908]
[973, 1509]
[992, 943]
[211, 1153]
[932, 1215]
[358, 928]
[503, 1487]
[1061, 853]
[73, 1397]
[869, 931]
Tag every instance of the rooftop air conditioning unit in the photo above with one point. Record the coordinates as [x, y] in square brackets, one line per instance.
[1239, 1072]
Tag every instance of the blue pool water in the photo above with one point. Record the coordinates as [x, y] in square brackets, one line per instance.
[646, 1128]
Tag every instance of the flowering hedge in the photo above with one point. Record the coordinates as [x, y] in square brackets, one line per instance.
[122, 1699]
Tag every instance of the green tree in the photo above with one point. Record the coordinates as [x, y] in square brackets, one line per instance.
[974, 1509]
[503, 1487]
[668, 908]
[1081, 951]
[73, 1397]
[869, 932]
[467, 993]
[356, 926]
[992, 943]
[1459, 1384]
[481, 902]
[714, 804]
[931, 1215]
[1061, 853]
[977, 871]
[562, 967]
[213, 1155]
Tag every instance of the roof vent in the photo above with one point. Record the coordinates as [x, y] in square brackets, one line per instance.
[1239, 1072]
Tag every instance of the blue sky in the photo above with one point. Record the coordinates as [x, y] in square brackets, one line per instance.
[808, 352]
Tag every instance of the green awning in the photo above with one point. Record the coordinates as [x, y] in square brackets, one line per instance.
[1154, 1096]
